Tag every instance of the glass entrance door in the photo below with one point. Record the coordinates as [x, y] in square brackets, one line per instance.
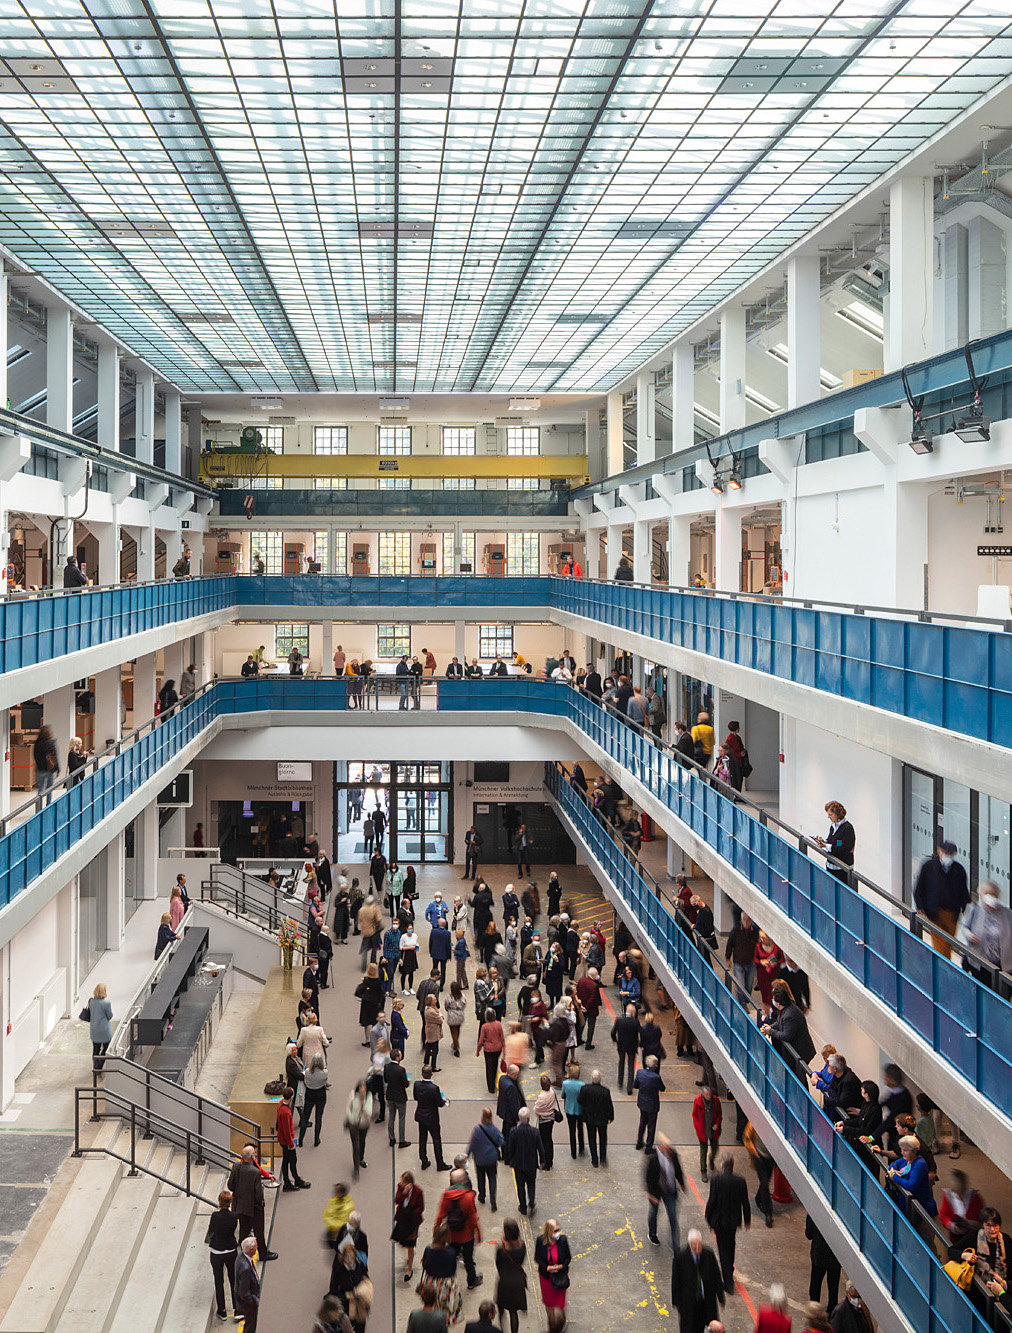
[417, 800]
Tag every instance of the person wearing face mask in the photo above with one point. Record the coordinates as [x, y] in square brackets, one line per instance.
[987, 925]
[940, 895]
[851, 1315]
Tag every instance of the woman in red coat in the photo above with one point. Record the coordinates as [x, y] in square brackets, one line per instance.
[773, 1317]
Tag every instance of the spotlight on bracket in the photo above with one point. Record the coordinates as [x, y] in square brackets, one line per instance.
[734, 481]
[974, 427]
[921, 440]
[717, 486]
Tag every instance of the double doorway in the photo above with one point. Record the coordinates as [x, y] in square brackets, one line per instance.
[416, 801]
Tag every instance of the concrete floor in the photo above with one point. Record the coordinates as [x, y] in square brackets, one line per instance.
[619, 1280]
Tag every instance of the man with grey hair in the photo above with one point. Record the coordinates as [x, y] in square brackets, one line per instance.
[508, 1104]
[246, 1185]
[247, 1284]
[525, 1153]
[851, 1315]
[696, 1286]
[598, 1112]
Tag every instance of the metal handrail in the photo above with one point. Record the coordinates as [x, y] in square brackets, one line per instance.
[215, 1113]
[805, 603]
[918, 926]
[198, 1151]
[42, 799]
[802, 1069]
[167, 580]
[272, 901]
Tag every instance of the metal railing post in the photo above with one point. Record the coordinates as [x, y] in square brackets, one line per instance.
[77, 1122]
[200, 1131]
[133, 1140]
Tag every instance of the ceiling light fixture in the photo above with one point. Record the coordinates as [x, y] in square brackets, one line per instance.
[734, 481]
[921, 439]
[974, 427]
[717, 486]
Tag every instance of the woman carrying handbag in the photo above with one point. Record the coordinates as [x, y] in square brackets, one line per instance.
[552, 1256]
[547, 1113]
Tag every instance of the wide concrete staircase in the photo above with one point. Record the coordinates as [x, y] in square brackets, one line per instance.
[123, 1254]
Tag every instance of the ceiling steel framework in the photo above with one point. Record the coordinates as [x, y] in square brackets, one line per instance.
[443, 195]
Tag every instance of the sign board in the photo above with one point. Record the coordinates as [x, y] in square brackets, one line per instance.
[519, 791]
[481, 809]
[179, 792]
[1000, 551]
[388, 465]
[299, 771]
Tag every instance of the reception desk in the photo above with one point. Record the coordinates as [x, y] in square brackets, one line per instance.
[264, 1057]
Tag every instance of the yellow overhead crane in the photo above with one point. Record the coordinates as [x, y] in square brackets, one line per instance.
[218, 465]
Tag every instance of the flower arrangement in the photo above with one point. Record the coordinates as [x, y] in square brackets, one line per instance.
[289, 935]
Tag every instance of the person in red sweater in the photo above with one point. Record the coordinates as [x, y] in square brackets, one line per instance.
[286, 1137]
[706, 1118]
[457, 1209]
[588, 992]
[773, 1317]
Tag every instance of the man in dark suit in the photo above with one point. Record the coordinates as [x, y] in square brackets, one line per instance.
[429, 1099]
[598, 1112]
[440, 948]
[625, 1033]
[247, 1188]
[649, 1086]
[247, 1284]
[664, 1180]
[525, 1153]
[727, 1209]
[485, 1323]
[311, 982]
[696, 1286]
[511, 1099]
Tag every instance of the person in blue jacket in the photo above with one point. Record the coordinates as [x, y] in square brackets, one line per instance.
[629, 988]
[911, 1174]
[649, 1086]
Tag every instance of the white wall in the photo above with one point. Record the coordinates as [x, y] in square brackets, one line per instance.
[834, 552]
[820, 767]
[257, 780]
[955, 570]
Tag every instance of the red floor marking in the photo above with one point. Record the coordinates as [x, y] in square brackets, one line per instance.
[695, 1189]
[742, 1292]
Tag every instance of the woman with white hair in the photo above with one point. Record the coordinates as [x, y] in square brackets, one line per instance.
[911, 1174]
[773, 1316]
[987, 926]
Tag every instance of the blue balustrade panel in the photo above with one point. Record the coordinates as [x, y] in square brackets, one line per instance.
[947, 1007]
[366, 591]
[39, 629]
[905, 1264]
[953, 677]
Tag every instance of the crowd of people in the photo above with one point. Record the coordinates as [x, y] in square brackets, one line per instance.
[531, 988]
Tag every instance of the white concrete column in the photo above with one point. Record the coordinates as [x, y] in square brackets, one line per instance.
[108, 396]
[172, 661]
[59, 715]
[616, 436]
[327, 665]
[908, 323]
[108, 707]
[804, 353]
[203, 653]
[683, 397]
[732, 368]
[460, 640]
[173, 431]
[195, 541]
[679, 550]
[642, 550]
[173, 540]
[144, 416]
[646, 443]
[114, 884]
[59, 368]
[986, 301]
[727, 549]
[7, 1055]
[67, 922]
[145, 539]
[592, 556]
[144, 688]
[107, 536]
[146, 853]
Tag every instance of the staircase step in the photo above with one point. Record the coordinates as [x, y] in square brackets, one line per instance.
[97, 1291]
[191, 1301]
[40, 1300]
[146, 1295]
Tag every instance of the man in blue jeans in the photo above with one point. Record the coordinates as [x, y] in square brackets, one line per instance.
[663, 1181]
[403, 674]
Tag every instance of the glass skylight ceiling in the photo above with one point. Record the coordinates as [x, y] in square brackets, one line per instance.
[433, 195]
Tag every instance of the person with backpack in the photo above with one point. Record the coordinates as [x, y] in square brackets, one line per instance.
[457, 1209]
